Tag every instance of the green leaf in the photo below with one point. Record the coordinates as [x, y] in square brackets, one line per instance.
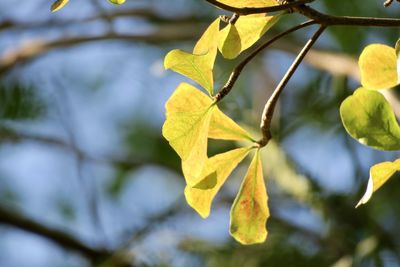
[250, 211]
[235, 38]
[215, 173]
[116, 2]
[57, 5]
[378, 175]
[249, 3]
[188, 113]
[224, 128]
[378, 66]
[368, 118]
[199, 65]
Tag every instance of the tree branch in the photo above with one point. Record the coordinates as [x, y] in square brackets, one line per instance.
[329, 20]
[271, 103]
[56, 236]
[258, 10]
[38, 47]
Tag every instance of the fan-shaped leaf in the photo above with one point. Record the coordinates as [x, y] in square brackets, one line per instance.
[199, 65]
[192, 66]
[188, 113]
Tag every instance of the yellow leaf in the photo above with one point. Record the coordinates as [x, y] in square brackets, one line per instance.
[199, 65]
[215, 173]
[192, 66]
[250, 211]
[224, 128]
[378, 66]
[252, 27]
[229, 42]
[208, 44]
[188, 113]
[117, 2]
[57, 5]
[378, 175]
[249, 3]
[235, 38]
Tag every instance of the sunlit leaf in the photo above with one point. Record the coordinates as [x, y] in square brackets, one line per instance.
[250, 211]
[215, 173]
[235, 38]
[192, 66]
[249, 3]
[199, 65]
[208, 43]
[117, 2]
[368, 117]
[57, 5]
[378, 175]
[229, 42]
[224, 128]
[378, 66]
[188, 113]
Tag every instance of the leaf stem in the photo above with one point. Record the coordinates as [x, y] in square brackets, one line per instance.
[271, 103]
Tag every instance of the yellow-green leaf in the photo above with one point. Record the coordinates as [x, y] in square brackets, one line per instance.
[378, 175]
[208, 43]
[188, 115]
[235, 38]
[249, 3]
[229, 42]
[117, 2]
[250, 211]
[224, 128]
[199, 65]
[368, 118]
[378, 66]
[215, 173]
[192, 66]
[57, 5]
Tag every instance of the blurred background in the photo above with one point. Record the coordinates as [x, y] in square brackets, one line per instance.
[86, 178]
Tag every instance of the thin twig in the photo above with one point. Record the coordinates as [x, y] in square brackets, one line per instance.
[330, 20]
[271, 103]
[258, 10]
[238, 69]
[300, 7]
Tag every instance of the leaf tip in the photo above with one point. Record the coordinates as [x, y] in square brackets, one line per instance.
[368, 193]
[57, 5]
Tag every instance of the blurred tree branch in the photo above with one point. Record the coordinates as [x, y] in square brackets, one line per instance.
[59, 237]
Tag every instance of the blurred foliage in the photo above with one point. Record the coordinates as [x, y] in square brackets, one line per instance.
[18, 102]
